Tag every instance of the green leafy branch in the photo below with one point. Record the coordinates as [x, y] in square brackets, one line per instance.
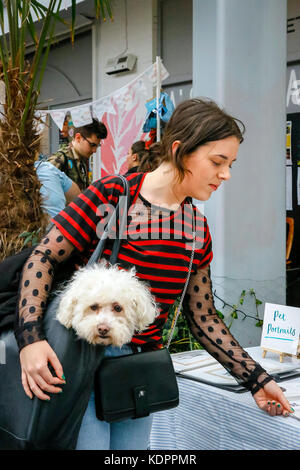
[182, 339]
[235, 310]
[31, 238]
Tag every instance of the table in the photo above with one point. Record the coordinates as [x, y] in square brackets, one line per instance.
[210, 418]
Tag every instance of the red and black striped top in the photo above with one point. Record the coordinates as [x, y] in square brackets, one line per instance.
[156, 241]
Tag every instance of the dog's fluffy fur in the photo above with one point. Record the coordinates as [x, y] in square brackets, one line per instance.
[106, 305]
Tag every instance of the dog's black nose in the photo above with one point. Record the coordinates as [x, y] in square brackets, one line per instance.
[103, 330]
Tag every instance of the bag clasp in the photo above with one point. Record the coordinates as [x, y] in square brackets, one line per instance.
[141, 401]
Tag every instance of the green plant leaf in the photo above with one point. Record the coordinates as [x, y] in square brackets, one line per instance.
[31, 29]
[73, 20]
[220, 314]
[108, 8]
[27, 240]
[24, 234]
[175, 332]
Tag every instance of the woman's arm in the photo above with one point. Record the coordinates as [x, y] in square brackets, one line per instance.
[35, 285]
[72, 193]
[211, 332]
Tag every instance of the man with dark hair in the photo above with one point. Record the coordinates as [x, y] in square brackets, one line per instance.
[73, 158]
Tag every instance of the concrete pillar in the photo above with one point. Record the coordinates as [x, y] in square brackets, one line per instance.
[239, 60]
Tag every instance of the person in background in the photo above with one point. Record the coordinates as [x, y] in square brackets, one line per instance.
[135, 155]
[67, 131]
[143, 159]
[73, 158]
[57, 189]
[151, 159]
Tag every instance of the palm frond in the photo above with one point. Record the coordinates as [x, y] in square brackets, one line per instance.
[20, 199]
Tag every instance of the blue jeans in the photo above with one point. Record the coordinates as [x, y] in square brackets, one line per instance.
[131, 434]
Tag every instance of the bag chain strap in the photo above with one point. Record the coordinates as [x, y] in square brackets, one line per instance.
[178, 310]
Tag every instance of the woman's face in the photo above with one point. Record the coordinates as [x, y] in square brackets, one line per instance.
[209, 166]
[131, 159]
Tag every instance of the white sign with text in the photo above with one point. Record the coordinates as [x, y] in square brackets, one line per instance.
[281, 328]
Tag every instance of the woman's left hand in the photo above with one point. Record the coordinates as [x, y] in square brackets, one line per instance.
[271, 399]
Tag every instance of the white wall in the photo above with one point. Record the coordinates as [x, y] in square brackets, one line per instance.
[109, 40]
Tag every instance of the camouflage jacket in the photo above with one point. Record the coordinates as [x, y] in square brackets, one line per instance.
[66, 160]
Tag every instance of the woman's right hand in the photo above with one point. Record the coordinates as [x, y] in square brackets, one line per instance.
[36, 376]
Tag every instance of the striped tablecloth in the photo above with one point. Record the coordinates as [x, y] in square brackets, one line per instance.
[209, 418]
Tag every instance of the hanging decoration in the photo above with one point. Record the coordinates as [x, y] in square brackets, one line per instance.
[82, 114]
[123, 113]
[81, 117]
[165, 110]
[58, 117]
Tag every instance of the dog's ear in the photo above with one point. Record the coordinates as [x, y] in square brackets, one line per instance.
[66, 307]
[145, 308]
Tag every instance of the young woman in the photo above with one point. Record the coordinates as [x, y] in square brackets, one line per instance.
[199, 146]
[142, 159]
[135, 155]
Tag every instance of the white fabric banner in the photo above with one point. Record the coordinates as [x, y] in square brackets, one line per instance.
[152, 73]
[58, 116]
[141, 86]
[81, 115]
[124, 97]
[101, 106]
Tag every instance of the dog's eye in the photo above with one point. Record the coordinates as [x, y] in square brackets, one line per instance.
[94, 307]
[118, 308]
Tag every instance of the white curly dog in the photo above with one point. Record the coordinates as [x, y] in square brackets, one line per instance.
[106, 305]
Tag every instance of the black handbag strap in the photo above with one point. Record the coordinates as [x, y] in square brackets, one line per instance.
[119, 214]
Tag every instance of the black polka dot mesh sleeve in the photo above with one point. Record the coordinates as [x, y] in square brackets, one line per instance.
[35, 286]
[212, 333]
